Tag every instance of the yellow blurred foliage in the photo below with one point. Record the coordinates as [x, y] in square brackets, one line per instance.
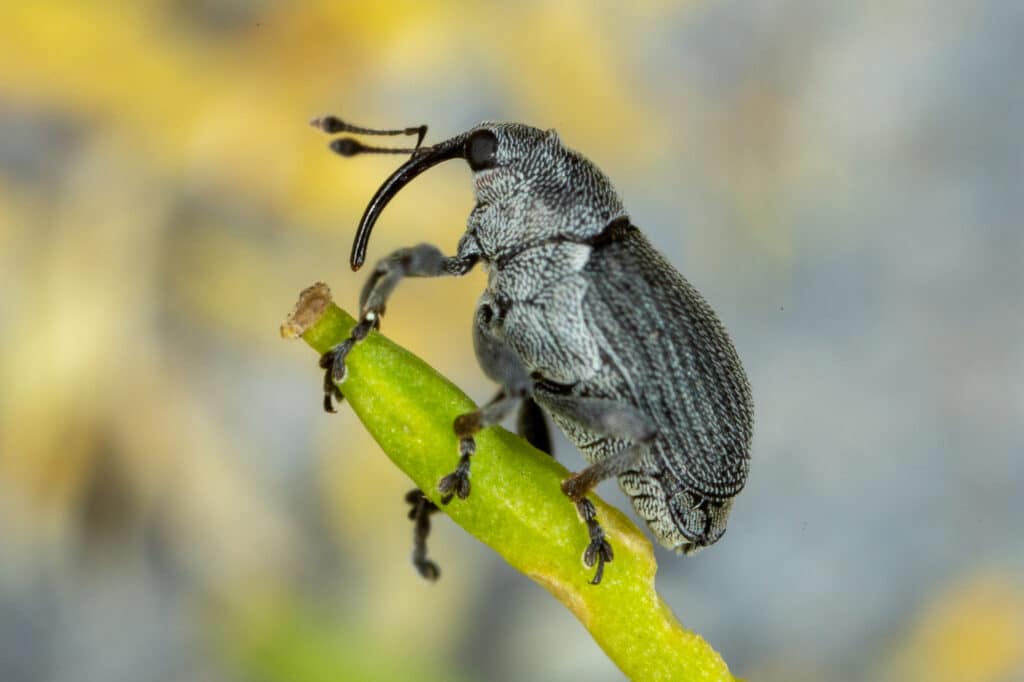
[972, 631]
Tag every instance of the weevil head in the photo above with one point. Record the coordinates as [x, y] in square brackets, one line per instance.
[529, 188]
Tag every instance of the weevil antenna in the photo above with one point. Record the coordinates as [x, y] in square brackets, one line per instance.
[333, 125]
[349, 146]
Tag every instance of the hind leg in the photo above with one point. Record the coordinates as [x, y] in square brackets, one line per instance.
[602, 418]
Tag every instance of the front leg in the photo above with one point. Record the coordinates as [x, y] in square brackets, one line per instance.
[419, 261]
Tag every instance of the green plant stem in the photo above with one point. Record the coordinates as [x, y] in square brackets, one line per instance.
[516, 505]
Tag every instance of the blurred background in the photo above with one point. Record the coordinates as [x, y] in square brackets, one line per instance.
[843, 181]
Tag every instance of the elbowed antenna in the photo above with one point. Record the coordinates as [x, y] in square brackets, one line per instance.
[349, 146]
[333, 125]
[422, 159]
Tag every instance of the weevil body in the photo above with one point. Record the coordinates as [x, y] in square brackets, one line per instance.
[582, 317]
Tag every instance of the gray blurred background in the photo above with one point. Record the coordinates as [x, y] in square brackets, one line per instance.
[843, 181]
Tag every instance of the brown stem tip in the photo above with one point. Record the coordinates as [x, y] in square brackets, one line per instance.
[313, 301]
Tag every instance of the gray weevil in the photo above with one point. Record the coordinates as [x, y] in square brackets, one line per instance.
[581, 319]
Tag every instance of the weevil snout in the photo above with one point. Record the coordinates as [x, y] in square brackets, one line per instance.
[486, 148]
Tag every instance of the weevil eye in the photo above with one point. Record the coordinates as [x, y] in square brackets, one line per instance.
[481, 150]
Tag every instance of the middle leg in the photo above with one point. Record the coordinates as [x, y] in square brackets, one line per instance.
[466, 426]
[501, 364]
[419, 514]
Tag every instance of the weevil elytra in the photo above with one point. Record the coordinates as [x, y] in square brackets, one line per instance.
[582, 319]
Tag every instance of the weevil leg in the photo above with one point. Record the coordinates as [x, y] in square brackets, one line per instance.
[331, 392]
[423, 260]
[576, 488]
[599, 550]
[533, 426]
[500, 363]
[419, 514]
[466, 426]
[603, 418]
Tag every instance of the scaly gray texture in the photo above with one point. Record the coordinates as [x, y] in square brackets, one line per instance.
[583, 316]
[593, 310]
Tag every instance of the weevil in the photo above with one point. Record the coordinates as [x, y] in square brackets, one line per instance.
[582, 319]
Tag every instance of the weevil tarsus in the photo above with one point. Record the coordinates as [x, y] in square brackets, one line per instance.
[419, 513]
